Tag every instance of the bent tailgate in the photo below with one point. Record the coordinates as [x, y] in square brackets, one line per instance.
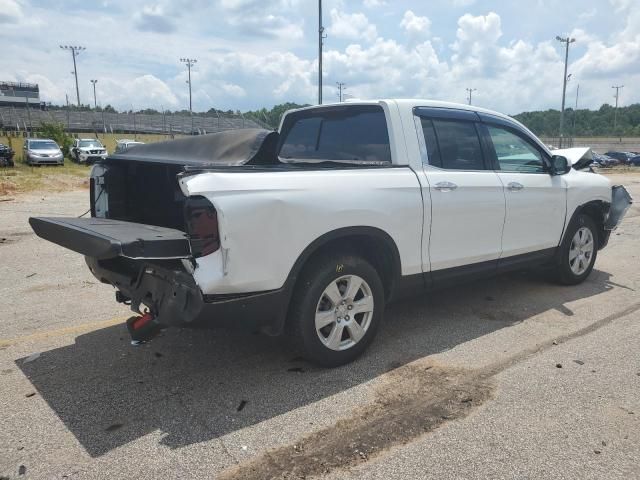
[103, 238]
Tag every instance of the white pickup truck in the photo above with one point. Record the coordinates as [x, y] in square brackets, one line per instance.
[313, 229]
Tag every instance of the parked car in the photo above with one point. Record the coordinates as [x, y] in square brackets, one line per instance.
[622, 157]
[42, 151]
[6, 156]
[87, 150]
[635, 161]
[604, 161]
[125, 144]
[311, 230]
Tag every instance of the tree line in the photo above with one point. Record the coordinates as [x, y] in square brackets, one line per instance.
[585, 123]
[578, 123]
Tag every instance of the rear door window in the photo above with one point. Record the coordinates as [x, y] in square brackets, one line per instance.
[459, 145]
[349, 133]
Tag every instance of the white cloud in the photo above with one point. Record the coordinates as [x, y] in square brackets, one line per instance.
[253, 53]
[258, 18]
[154, 19]
[10, 11]
[353, 26]
[415, 25]
[234, 90]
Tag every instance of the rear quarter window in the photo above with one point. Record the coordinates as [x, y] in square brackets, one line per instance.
[344, 133]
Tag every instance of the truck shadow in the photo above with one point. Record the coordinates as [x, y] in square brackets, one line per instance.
[196, 385]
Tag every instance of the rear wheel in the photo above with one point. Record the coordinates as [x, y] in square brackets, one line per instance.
[336, 310]
[578, 252]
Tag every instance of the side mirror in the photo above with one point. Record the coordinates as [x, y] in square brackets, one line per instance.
[560, 165]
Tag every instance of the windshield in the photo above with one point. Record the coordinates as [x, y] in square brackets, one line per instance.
[90, 144]
[43, 145]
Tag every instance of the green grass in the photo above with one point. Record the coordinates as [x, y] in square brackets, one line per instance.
[23, 178]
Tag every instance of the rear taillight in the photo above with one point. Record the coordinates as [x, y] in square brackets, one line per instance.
[202, 226]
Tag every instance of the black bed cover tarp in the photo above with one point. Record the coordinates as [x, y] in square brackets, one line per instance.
[254, 146]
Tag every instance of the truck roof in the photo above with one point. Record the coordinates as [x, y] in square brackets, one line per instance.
[411, 103]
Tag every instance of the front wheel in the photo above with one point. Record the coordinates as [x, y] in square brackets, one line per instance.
[337, 307]
[578, 252]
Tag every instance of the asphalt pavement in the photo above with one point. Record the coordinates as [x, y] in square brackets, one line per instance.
[511, 377]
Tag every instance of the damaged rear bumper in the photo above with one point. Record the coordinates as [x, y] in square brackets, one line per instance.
[169, 292]
[165, 288]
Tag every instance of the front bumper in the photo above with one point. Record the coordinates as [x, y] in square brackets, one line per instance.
[620, 203]
[45, 160]
[91, 158]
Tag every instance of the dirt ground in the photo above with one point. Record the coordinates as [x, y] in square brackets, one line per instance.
[511, 377]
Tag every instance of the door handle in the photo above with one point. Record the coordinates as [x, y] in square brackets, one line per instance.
[445, 186]
[515, 186]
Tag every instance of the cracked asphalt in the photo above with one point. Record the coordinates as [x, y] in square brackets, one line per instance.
[511, 377]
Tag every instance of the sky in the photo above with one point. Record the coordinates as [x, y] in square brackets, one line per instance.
[257, 53]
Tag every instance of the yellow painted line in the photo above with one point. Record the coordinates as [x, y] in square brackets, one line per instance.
[85, 327]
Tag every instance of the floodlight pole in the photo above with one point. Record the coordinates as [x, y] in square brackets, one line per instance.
[616, 96]
[75, 51]
[95, 101]
[190, 62]
[566, 41]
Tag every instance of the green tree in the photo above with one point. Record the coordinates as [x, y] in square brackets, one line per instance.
[55, 131]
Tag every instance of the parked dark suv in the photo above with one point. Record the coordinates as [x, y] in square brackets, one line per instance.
[6, 156]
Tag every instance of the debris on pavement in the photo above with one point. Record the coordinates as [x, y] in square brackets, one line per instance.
[113, 427]
[22, 470]
[558, 365]
[243, 403]
[32, 357]
[30, 394]
[579, 362]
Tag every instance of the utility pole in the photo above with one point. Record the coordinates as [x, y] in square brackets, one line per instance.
[26, 101]
[341, 88]
[575, 114]
[68, 112]
[75, 51]
[566, 41]
[321, 37]
[470, 91]
[95, 101]
[190, 62]
[616, 96]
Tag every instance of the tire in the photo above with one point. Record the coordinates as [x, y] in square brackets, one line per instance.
[573, 268]
[312, 297]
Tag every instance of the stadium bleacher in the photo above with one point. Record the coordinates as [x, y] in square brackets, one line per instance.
[29, 119]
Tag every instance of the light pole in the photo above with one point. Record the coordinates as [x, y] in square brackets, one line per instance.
[75, 51]
[616, 96]
[470, 91]
[321, 37]
[190, 62]
[341, 88]
[95, 101]
[566, 41]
